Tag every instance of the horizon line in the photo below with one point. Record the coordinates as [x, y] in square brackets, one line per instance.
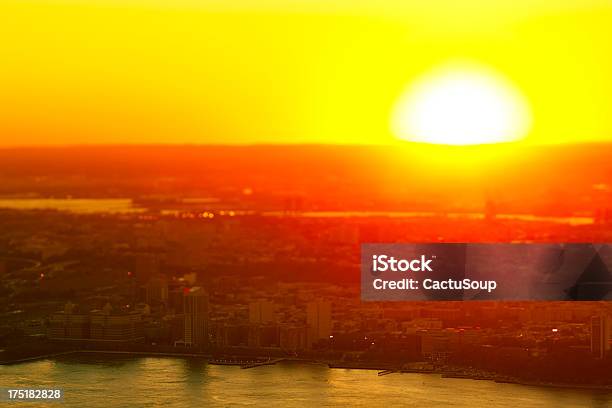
[399, 143]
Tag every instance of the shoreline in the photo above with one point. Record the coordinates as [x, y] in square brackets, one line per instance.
[253, 362]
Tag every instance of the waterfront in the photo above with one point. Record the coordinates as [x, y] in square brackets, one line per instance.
[103, 380]
[74, 205]
[194, 206]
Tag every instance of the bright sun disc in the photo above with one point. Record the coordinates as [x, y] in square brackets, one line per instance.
[461, 105]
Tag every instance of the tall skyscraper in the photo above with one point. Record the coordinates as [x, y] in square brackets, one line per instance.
[318, 321]
[601, 335]
[156, 290]
[263, 332]
[196, 317]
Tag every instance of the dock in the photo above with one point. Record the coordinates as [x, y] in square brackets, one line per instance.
[261, 363]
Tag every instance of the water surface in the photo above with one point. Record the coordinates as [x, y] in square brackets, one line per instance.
[110, 381]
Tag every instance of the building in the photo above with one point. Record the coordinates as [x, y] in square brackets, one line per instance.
[231, 334]
[108, 325]
[156, 290]
[263, 331]
[196, 317]
[435, 343]
[318, 321]
[99, 325]
[176, 300]
[292, 337]
[69, 324]
[261, 312]
[601, 335]
[264, 336]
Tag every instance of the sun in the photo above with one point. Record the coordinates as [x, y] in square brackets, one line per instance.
[461, 104]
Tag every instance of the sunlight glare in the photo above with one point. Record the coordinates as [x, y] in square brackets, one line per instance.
[461, 105]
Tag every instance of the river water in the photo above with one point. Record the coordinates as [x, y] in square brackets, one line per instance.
[126, 205]
[111, 381]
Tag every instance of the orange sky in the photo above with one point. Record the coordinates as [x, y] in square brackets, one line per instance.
[154, 71]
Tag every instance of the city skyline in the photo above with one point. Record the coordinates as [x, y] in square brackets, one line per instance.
[306, 203]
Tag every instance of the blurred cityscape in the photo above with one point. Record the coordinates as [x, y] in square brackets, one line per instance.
[249, 272]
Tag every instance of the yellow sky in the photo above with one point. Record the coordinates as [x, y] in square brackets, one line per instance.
[179, 71]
